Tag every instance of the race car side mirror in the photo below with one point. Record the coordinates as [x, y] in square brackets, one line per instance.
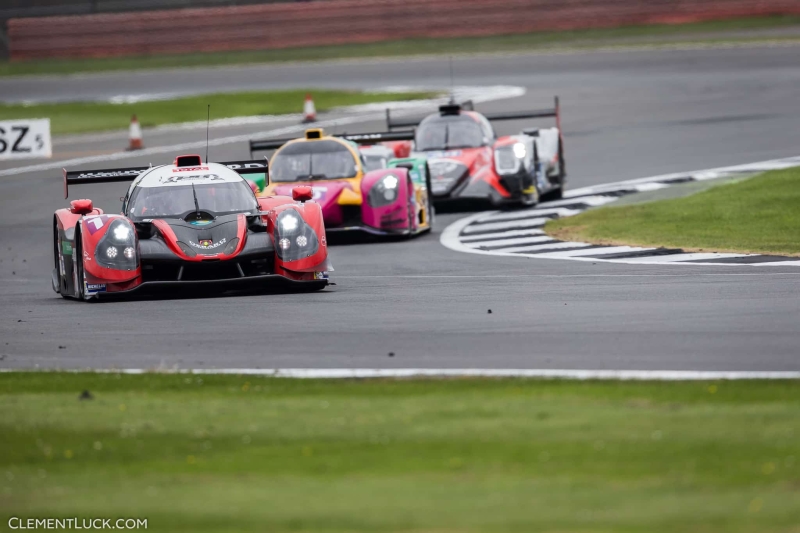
[81, 207]
[302, 193]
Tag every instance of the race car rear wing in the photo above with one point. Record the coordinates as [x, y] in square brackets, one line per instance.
[400, 122]
[375, 138]
[111, 175]
[268, 144]
[358, 138]
[454, 109]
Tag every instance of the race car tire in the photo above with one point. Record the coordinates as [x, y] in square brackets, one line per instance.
[412, 216]
[58, 280]
[558, 194]
[77, 265]
[429, 185]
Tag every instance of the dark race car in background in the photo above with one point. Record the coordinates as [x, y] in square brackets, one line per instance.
[187, 225]
[469, 162]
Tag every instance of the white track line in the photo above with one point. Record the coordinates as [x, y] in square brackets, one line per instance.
[593, 201]
[365, 112]
[673, 258]
[528, 213]
[554, 245]
[514, 224]
[595, 251]
[177, 148]
[508, 242]
[368, 373]
[502, 234]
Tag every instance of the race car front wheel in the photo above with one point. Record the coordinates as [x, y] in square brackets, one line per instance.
[558, 194]
[77, 266]
[430, 211]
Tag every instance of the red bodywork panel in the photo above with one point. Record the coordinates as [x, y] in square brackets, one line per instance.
[93, 228]
[479, 161]
[311, 213]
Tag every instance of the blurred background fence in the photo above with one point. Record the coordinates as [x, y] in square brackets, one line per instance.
[94, 28]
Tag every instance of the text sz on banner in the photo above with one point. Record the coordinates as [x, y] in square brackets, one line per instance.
[25, 139]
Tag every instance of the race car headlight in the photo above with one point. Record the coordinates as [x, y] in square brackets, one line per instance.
[117, 248]
[289, 221]
[384, 192]
[121, 233]
[445, 174]
[296, 239]
[508, 160]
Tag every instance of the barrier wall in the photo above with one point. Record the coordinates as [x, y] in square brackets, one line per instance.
[284, 25]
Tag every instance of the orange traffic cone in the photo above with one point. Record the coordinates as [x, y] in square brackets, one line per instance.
[135, 135]
[309, 111]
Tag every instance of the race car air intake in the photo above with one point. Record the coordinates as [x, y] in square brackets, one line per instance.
[445, 175]
[117, 248]
[295, 239]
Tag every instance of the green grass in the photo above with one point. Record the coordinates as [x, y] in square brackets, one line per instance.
[758, 215]
[702, 31]
[82, 117]
[201, 453]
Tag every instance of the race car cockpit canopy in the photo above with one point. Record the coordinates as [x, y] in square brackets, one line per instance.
[173, 191]
[317, 160]
[451, 131]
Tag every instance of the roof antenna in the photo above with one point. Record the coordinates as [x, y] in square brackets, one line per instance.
[208, 123]
[452, 83]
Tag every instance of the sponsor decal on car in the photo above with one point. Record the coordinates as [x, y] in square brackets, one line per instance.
[95, 223]
[111, 174]
[189, 169]
[66, 247]
[208, 244]
[193, 177]
[92, 288]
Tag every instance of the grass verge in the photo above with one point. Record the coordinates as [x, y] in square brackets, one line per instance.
[758, 215]
[206, 453]
[82, 117]
[663, 33]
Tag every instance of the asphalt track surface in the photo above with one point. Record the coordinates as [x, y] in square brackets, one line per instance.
[626, 115]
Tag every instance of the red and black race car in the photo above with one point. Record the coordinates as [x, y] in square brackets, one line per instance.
[468, 161]
[187, 225]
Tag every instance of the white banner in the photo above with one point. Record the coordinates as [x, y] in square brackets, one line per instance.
[25, 139]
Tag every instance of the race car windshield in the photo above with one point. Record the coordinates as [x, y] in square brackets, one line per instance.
[176, 201]
[374, 162]
[448, 132]
[313, 160]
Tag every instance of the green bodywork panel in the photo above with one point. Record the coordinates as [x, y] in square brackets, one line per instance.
[419, 170]
[259, 179]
